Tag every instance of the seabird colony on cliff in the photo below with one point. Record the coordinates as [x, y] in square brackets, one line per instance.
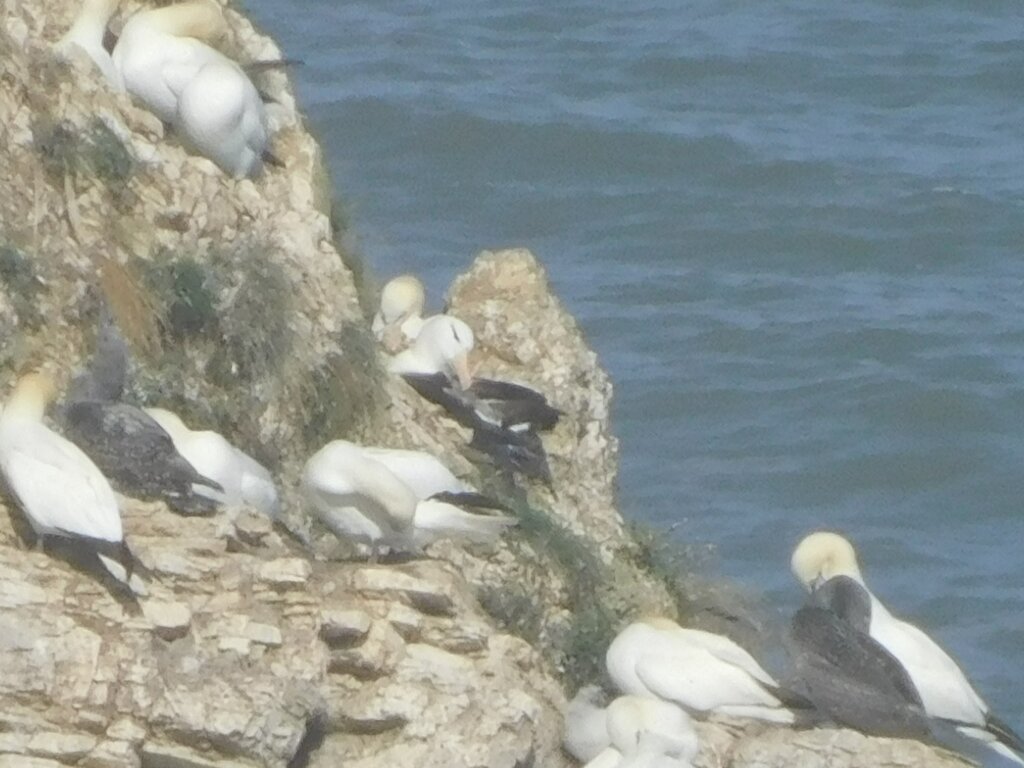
[166, 59]
[505, 417]
[853, 664]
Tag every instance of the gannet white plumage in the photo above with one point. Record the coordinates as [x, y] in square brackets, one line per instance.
[243, 479]
[700, 671]
[360, 499]
[597, 735]
[160, 50]
[60, 490]
[399, 319]
[672, 732]
[221, 116]
[86, 34]
[585, 733]
[166, 62]
[944, 689]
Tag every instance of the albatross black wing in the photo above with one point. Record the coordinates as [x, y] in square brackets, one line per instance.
[439, 389]
[521, 452]
[513, 405]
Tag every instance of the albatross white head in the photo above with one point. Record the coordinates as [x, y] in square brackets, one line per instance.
[822, 555]
[31, 395]
[443, 346]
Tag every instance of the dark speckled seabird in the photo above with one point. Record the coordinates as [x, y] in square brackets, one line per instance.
[848, 675]
[945, 692]
[126, 443]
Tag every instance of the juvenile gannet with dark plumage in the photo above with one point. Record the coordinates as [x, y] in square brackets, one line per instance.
[166, 62]
[130, 448]
[944, 689]
[399, 319]
[847, 674]
[360, 499]
[244, 480]
[700, 671]
[86, 34]
[60, 490]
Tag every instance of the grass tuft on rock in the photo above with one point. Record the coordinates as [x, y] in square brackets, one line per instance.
[95, 152]
[18, 273]
[345, 394]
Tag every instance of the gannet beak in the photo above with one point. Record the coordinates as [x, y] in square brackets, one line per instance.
[461, 366]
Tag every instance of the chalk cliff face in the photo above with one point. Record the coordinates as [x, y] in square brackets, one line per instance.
[245, 314]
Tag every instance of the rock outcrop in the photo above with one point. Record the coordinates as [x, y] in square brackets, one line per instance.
[256, 645]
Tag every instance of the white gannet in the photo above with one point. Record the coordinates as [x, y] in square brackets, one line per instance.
[400, 317]
[221, 116]
[585, 733]
[944, 689]
[243, 479]
[671, 732]
[87, 32]
[166, 63]
[60, 490]
[161, 49]
[360, 499]
[700, 671]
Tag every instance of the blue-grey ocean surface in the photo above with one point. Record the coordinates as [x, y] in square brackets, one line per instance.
[792, 230]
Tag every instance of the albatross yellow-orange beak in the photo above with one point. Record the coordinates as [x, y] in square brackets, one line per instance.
[462, 371]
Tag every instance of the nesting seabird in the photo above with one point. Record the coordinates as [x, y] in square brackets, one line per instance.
[585, 733]
[437, 367]
[361, 500]
[244, 480]
[944, 689]
[131, 449]
[166, 62]
[399, 319]
[60, 490]
[87, 33]
[700, 671]
[847, 674]
[504, 417]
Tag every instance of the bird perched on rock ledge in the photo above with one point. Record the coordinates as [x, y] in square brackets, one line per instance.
[60, 490]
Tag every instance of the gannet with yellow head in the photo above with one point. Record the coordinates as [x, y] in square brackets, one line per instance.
[944, 689]
[167, 62]
[362, 500]
[87, 33]
[60, 490]
[400, 317]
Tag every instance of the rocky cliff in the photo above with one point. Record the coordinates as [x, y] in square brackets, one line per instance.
[246, 315]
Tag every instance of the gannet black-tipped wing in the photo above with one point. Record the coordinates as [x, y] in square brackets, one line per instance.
[470, 499]
[136, 454]
[851, 678]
